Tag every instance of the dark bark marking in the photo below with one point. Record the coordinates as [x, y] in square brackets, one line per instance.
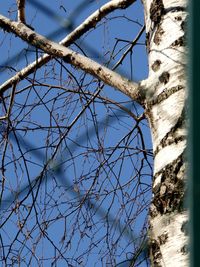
[164, 77]
[158, 35]
[69, 58]
[185, 250]
[179, 42]
[31, 37]
[172, 197]
[155, 253]
[170, 138]
[156, 65]
[164, 95]
[163, 238]
[156, 11]
[153, 211]
[149, 115]
[184, 24]
[175, 9]
[99, 69]
[178, 18]
[185, 228]
[147, 41]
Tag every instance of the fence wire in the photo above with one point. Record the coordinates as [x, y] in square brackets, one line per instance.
[54, 168]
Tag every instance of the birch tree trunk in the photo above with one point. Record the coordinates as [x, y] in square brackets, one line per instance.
[163, 95]
[165, 108]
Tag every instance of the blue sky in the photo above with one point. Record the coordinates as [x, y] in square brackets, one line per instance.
[78, 162]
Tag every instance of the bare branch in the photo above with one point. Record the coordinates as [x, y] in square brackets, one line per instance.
[93, 19]
[10, 105]
[89, 23]
[76, 158]
[130, 48]
[56, 50]
[21, 11]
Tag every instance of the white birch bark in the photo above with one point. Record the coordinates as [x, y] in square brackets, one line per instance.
[165, 108]
[165, 94]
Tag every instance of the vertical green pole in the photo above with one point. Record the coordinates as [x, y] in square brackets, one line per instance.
[194, 131]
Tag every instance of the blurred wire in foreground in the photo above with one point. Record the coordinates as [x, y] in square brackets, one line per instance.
[67, 25]
[56, 167]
